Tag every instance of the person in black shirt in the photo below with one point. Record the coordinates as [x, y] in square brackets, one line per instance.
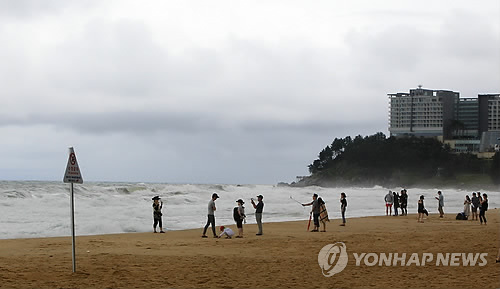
[475, 204]
[258, 212]
[396, 203]
[343, 206]
[483, 208]
[403, 200]
[157, 206]
[421, 209]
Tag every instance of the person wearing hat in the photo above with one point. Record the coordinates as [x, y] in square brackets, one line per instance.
[315, 211]
[239, 216]
[258, 212]
[157, 206]
[226, 231]
[211, 216]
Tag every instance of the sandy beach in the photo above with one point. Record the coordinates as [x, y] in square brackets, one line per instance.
[286, 256]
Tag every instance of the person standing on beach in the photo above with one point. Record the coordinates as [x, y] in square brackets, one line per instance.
[467, 203]
[389, 199]
[323, 214]
[315, 211]
[157, 206]
[343, 206]
[440, 199]
[239, 216]
[396, 203]
[480, 200]
[421, 209]
[211, 216]
[258, 212]
[483, 209]
[403, 200]
[475, 206]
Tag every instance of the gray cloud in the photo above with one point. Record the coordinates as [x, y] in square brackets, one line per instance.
[29, 9]
[140, 106]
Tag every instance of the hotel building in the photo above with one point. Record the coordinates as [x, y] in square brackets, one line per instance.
[467, 124]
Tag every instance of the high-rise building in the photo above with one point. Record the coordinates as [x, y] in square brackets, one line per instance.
[468, 124]
[489, 121]
[423, 112]
[489, 112]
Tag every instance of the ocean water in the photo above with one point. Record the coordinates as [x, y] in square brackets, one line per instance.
[31, 209]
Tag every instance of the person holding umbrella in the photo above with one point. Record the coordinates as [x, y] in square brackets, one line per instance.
[315, 211]
[157, 206]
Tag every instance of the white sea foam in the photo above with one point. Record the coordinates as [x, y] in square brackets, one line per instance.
[42, 209]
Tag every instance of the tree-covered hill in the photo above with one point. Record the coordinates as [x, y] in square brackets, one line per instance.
[381, 160]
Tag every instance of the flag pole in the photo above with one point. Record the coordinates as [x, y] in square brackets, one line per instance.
[73, 228]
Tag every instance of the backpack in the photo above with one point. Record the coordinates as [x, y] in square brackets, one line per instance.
[236, 215]
[461, 216]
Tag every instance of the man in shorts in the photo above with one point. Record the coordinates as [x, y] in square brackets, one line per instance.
[389, 199]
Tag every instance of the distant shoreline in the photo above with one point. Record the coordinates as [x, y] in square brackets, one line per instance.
[430, 184]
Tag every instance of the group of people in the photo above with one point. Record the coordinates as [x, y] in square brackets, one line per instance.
[401, 201]
[320, 214]
[239, 217]
[472, 205]
[398, 201]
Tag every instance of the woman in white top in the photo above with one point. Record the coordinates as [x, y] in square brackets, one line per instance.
[467, 204]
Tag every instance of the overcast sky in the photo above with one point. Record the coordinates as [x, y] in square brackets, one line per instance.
[239, 92]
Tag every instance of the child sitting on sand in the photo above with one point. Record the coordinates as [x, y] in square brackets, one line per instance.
[226, 231]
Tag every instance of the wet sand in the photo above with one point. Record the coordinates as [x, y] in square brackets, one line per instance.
[286, 256]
